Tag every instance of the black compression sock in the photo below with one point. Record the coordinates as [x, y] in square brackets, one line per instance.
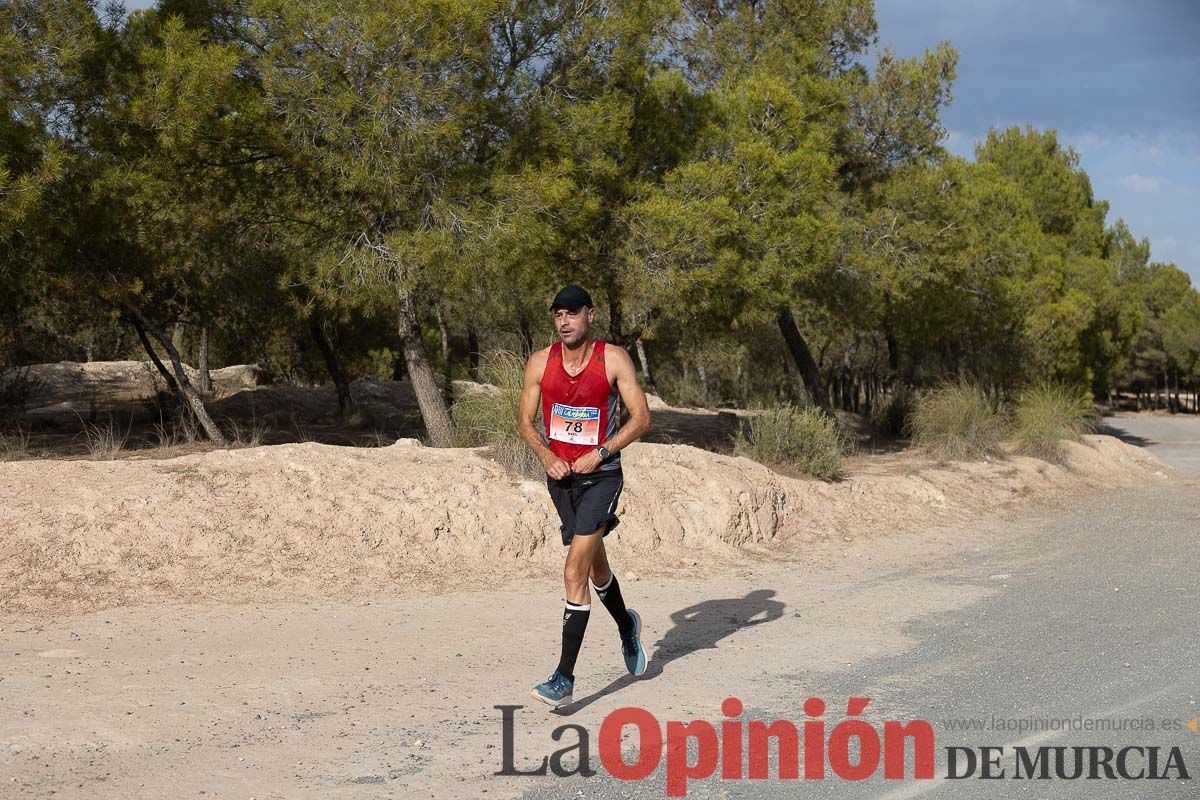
[575, 620]
[610, 595]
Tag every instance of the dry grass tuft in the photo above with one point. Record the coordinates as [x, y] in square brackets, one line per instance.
[249, 434]
[802, 437]
[1046, 413]
[105, 440]
[487, 417]
[14, 444]
[957, 421]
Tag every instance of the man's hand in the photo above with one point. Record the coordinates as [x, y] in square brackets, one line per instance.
[557, 468]
[587, 463]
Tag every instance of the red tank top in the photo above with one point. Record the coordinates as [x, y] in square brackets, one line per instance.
[578, 413]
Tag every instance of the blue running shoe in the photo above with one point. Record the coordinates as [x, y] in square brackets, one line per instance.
[555, 691]
[631, 646]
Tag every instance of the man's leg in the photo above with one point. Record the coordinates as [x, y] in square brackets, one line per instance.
[575, 580]
[609, 590]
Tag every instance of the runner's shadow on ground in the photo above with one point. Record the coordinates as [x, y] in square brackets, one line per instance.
[697, 627]
[1123, 435]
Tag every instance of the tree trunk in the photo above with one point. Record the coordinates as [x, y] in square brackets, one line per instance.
[345, 399]
[526, 336]
[641, 354]
[616, 322]
[154, 359]
[177, 337]
[205, 377]
[299, 370]
[191, 397]
[804, 360]
[893, 346]
[473, 351]
[445, 334]
[429, 398]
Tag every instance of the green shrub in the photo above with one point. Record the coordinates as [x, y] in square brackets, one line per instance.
[487, 415]
[890, 416]
[802, 437]
[957, 421]
[1047, 413]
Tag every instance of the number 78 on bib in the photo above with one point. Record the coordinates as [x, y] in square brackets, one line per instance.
[575, 424]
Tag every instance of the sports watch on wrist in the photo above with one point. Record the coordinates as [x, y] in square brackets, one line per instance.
[603, 451]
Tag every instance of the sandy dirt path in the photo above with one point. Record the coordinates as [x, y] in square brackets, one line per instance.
[363, 697]
[396, 699]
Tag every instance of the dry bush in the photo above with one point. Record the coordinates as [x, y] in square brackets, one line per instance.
[487, 417]
[957, 421]
[246, 434]
[802, 437]
[1046, 413]
[164, 434]
[105, 440]
[14, 444]
[300, 428]
[177, 430]
[176, 425]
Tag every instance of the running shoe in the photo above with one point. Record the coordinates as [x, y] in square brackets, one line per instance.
[555, 691]
[631, 646]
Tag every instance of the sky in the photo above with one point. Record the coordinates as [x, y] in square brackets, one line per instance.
[1118, 79]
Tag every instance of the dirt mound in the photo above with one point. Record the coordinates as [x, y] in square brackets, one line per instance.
[306, 520]
[69, 388]
[385, 404]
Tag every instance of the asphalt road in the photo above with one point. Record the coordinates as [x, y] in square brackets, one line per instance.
[1175, 440]
[1089, 615]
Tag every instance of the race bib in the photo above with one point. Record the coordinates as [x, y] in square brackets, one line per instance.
[575, 425]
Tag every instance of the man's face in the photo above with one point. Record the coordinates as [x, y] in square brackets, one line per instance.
[573, 326]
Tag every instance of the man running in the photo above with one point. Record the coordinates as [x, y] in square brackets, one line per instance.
[578, 380]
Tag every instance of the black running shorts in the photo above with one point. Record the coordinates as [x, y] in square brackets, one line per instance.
[586, 502]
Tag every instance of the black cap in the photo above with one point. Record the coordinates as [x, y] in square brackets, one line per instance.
[571, 298]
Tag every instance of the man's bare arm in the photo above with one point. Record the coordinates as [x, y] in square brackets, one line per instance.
[632, 397]
[531, 396]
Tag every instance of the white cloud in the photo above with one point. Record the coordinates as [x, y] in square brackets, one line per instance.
[1141, 183]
